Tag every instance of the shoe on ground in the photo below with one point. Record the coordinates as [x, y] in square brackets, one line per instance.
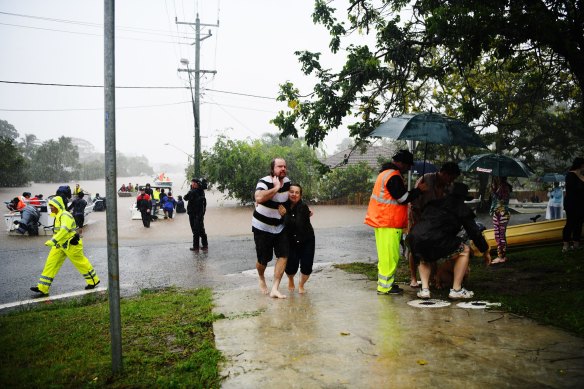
[395, 289]
[89, 287]
[37, 290]
[423, 293]
[194, 248]
[205, 248]
[460, 294]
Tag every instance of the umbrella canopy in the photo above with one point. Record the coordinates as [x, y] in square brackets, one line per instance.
[495, 164]
[423, 166]
[429, 127]
[553, 177]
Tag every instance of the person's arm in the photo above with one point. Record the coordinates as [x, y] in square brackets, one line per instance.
[263, 195]
[398, 190]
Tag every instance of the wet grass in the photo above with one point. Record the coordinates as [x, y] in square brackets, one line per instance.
[540, 283]
[167, 341]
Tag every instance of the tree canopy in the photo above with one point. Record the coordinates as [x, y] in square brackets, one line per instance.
[517, 66]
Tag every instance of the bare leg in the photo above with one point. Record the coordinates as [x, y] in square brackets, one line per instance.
[278, 273]
[425, 271]
[413, 276]
[291, 285]
[303, 279]
[460, 266]
[261, 269]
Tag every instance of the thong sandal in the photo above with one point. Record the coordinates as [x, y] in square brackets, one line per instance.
[498, 260]
[414, 285]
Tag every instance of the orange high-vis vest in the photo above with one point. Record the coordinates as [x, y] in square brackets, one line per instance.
[384, 210]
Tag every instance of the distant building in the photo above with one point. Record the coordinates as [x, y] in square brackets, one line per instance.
[372, 156]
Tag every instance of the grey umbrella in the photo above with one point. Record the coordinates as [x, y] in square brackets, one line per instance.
[429, 127]
[553, 177]
[495, 164]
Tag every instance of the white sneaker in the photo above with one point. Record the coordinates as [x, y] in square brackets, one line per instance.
[423, 293]
[460, 294]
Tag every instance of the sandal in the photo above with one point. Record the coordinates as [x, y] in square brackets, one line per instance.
[415, 284]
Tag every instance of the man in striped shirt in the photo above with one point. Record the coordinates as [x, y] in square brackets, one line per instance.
[268, 225]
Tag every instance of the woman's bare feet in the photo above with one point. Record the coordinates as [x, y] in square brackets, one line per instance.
[291, 285]
[498, 260]
[301, 289]
[275, 293]
[263, 286]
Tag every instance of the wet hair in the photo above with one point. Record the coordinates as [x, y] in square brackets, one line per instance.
[273, 164]
[298, 185]
[179, 197]
[80, 195]
[577, 163]
[170, 193]
[450, 168]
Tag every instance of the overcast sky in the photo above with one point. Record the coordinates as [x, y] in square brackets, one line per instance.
[61, 41]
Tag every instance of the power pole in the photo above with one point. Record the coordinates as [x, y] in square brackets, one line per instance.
[198, 71]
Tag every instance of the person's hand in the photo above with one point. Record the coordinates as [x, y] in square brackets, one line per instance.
[282, 210]
[50, 243]
[277, 183]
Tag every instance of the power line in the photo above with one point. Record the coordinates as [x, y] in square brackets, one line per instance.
[135, 87]
[90, 109]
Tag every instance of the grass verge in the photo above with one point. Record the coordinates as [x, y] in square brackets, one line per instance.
[540, 283]
[167, 341]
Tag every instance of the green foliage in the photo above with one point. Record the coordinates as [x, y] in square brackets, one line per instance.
[7, 130]
[234, 166]
[55, 161]
[167, 342]
[132, 166]
[346, 181]
[514, 66]
[13, 166]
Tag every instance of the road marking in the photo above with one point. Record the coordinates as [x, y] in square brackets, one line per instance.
[51, 298]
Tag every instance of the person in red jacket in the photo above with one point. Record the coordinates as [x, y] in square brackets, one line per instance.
[144, 205]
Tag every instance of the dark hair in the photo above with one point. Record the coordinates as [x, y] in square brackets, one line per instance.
[450, 168]
[386, 165]
[273, 164]
[80, 195]
[298, 185]
[577, 163]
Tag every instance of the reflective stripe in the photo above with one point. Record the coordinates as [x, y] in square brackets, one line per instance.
[383, 285]
[45, 283]
[380, 276]
[46, 278]
[381, 198]
[385, 282]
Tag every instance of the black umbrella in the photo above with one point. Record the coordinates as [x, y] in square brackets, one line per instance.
[429, 127]
[496, 164]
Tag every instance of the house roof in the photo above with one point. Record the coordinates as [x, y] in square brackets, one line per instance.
[371, 156]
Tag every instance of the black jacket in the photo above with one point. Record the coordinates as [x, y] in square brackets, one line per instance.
[297, 223]
[197, 203]
[434, 236]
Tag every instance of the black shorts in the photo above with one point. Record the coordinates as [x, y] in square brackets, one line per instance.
[268, 244]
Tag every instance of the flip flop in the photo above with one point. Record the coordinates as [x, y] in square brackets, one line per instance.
[498, 260]
[416, 285]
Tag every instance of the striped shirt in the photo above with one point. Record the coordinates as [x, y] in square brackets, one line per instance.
[266, 216]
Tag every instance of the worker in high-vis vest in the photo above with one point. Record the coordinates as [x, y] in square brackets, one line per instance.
[388, 214]
[65, 242]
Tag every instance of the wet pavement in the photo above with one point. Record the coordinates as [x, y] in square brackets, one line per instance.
[341, 334]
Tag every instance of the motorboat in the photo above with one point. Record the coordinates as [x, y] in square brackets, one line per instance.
[126, 193]
[134, 213]
[46, 222]
[530, 233]
[162, 181]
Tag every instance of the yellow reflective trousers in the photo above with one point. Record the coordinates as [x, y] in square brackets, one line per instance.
[387, 241]
[55, 261]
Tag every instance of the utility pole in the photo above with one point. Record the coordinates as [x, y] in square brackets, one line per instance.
[198, 71]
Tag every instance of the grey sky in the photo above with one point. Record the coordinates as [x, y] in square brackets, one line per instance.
[252, 52]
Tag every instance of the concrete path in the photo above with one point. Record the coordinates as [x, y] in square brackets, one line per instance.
[341, 334]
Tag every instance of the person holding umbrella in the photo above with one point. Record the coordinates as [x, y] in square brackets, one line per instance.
[500, 193]
[574, 205]
[387, 213]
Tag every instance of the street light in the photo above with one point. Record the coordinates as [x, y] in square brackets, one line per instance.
[197, 140]
[182, 151]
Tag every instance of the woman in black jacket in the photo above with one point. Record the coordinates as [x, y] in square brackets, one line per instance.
[435, 237]
[301, 237]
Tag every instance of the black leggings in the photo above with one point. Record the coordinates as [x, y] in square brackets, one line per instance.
[573, 228]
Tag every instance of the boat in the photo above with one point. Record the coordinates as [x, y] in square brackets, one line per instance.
[162, 181]
[134, 213]
[126, 193]
[46, 222]
[529, 234]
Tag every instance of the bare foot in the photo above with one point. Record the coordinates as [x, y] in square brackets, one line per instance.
[276, 294]
[301, 290]
[291, 285]
[263, 286]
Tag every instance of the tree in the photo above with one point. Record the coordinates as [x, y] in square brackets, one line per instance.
[448, 46]
[344, 182]
[234, 166]
[7, 130]
[13, 166]
[55, 161]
